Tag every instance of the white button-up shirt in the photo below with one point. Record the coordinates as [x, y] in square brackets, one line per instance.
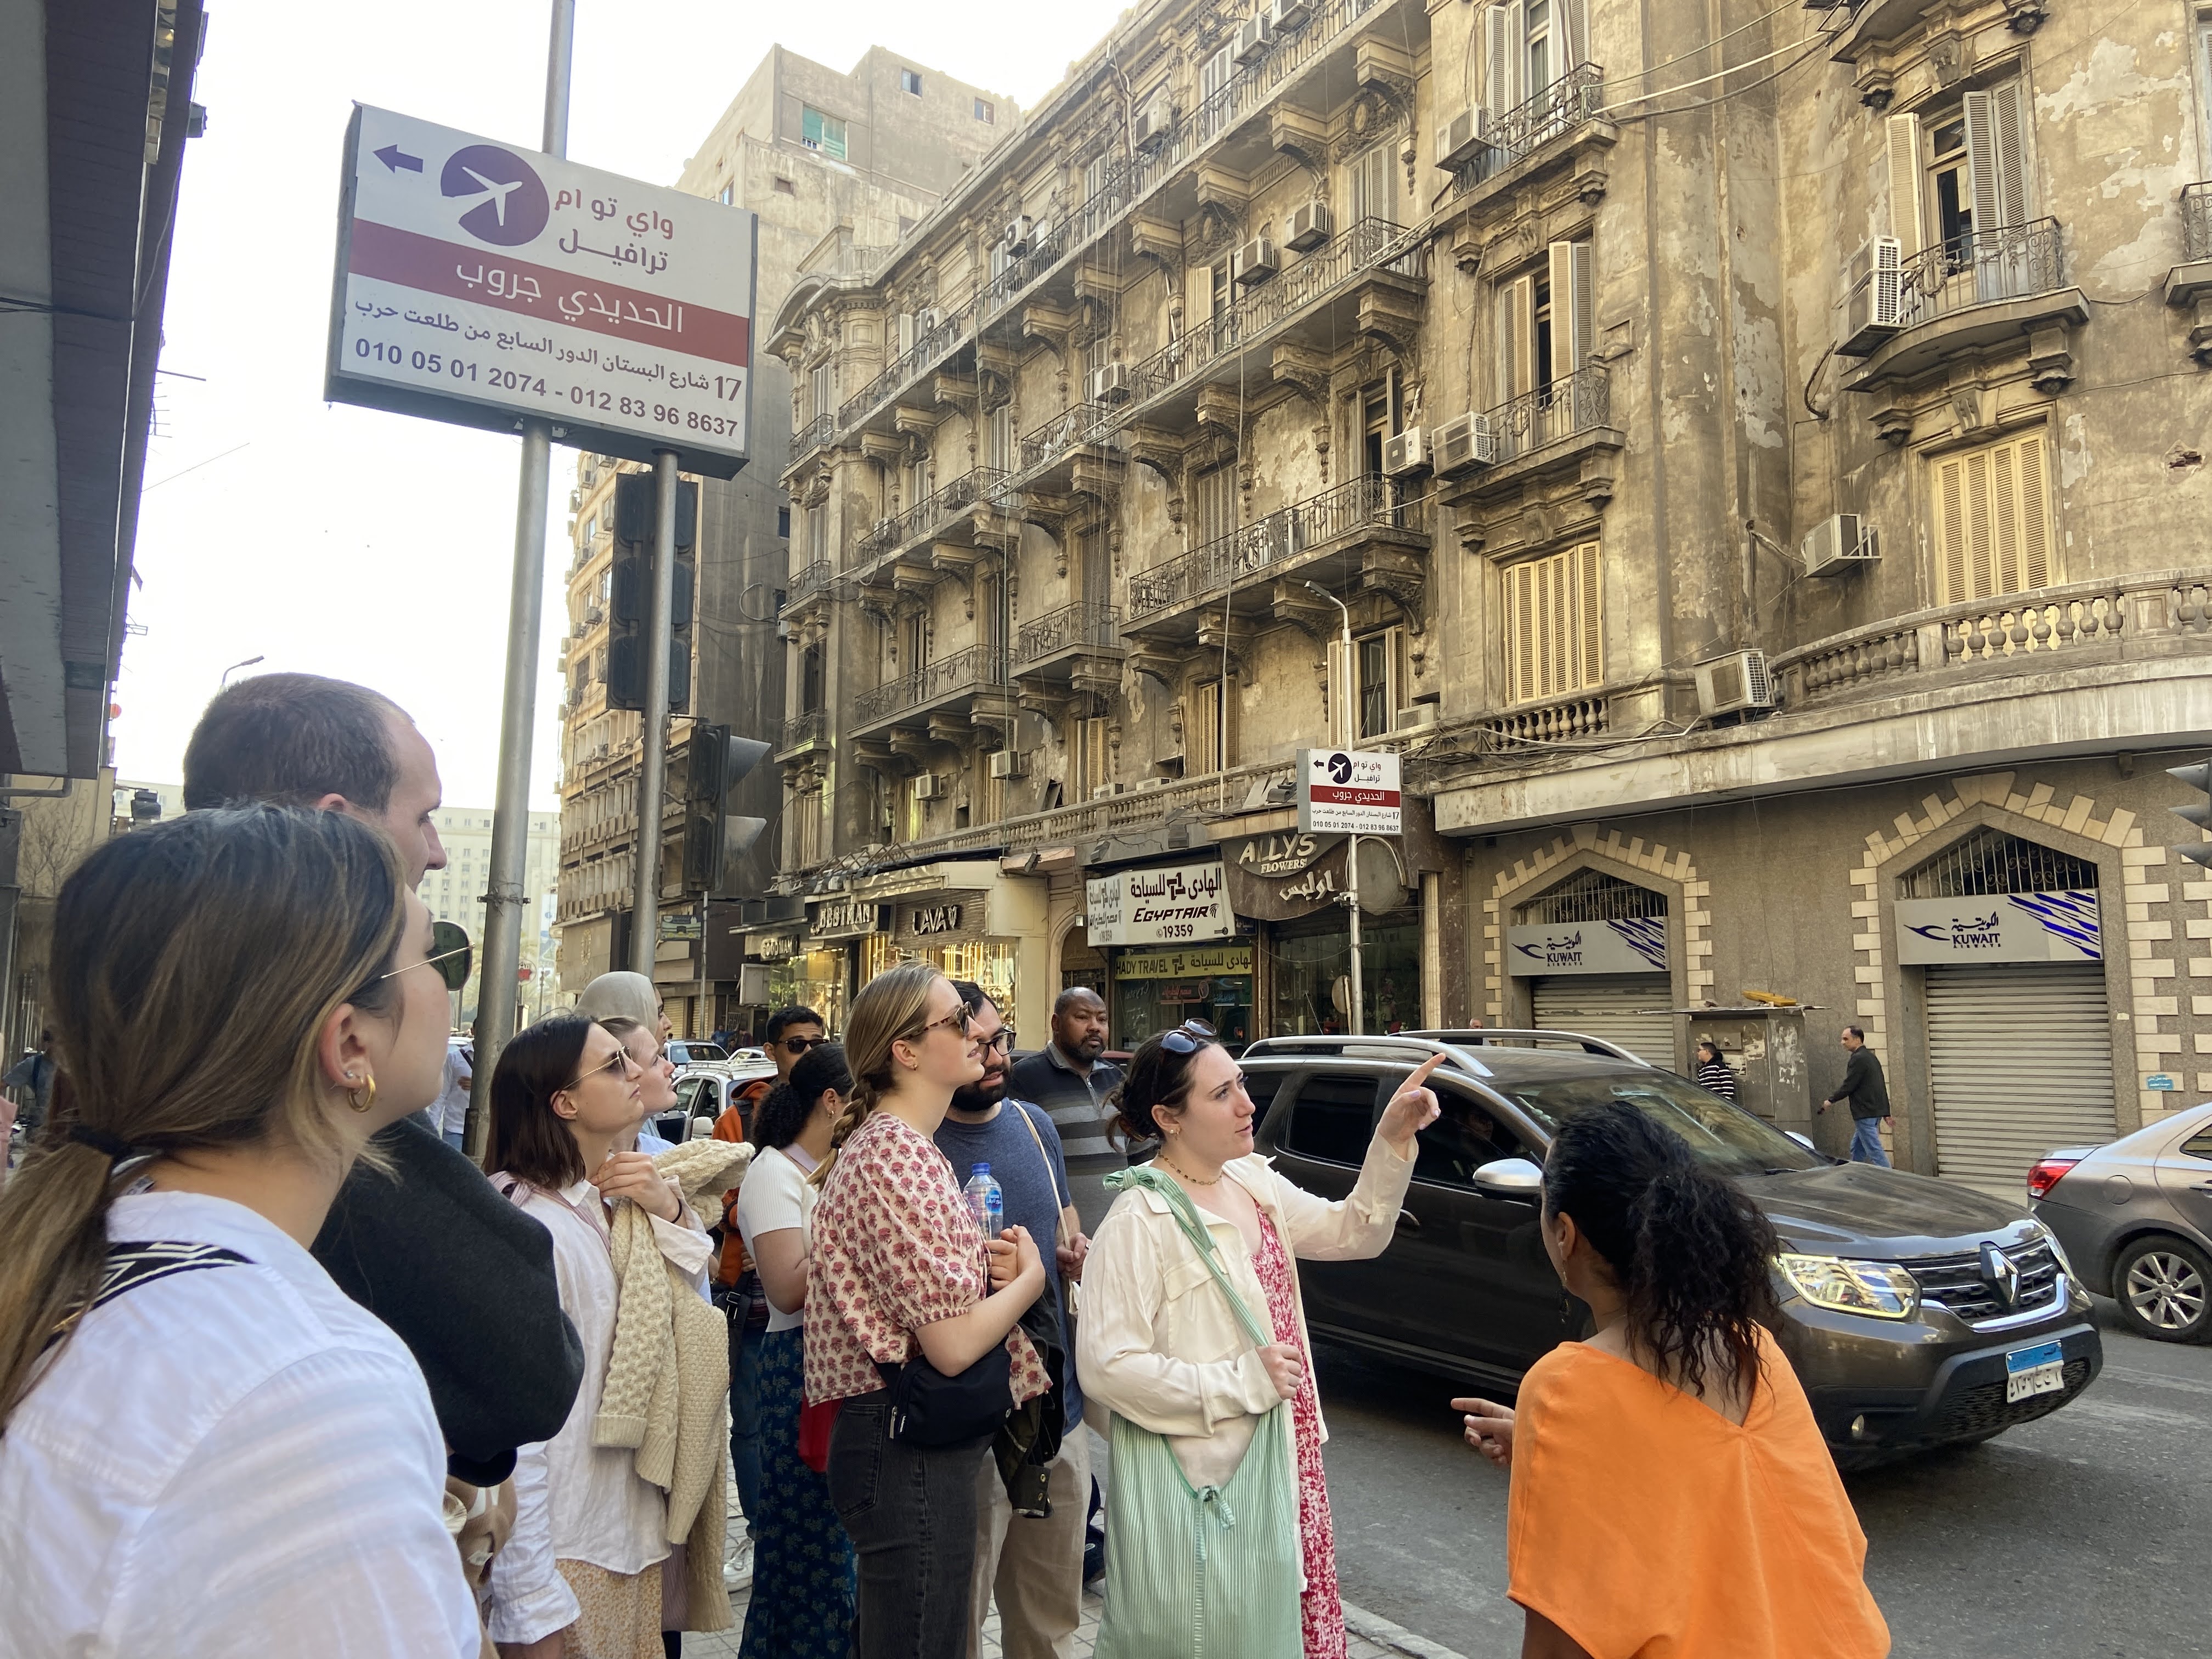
[233, 1460]
[601, 1511]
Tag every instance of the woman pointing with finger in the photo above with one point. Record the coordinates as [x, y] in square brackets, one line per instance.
[1194, 1333]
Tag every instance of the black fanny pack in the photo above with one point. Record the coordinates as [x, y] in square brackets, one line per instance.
[928, 1408]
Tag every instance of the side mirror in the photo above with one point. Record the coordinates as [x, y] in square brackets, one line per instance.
[1513, 1179]
[703, 1128]
[1804, 1140]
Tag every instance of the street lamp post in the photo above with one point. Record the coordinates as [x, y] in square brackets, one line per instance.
[1339, 697]
[225, 681]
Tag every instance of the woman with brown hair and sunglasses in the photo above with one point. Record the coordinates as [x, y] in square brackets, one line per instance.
[1194, 1335]
[907, 1333]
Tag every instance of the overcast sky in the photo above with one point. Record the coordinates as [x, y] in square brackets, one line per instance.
[376, 547]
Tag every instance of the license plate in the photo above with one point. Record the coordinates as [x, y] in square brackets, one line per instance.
[2030, 1371]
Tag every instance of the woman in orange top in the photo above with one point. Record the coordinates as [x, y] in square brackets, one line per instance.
[1672, 1496]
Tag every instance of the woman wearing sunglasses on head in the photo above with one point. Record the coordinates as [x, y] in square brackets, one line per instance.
[1194, 1333]
[903, 1332]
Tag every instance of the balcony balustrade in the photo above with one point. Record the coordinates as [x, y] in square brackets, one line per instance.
[1083, 625]
[1574, 97]
[2197, 222]
[1259, 550]
[927, 352]
[1580, 402]
[2011, 262]
[974, 669]
[809, 730]
[806, 583]
[1581, 715]
[935, 514]
[813, 435]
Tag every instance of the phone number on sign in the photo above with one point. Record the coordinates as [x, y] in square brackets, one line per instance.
[583, 397]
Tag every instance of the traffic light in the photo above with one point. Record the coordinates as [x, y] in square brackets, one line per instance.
[2199, 778]
[715, 838]
[632, 597]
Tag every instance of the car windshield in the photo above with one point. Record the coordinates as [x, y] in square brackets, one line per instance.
[1725, 1137]
[692, 1053]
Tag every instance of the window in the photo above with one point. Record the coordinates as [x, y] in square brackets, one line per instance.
[986, 113]
[910, 82]
[810, 679]
[1213, 505]
[1992, 520]
[1466, 1134]
[1213, 112]
[817, 532]
[1093, 764]
[818, 132]
[1957, 177]
[1374, 184]
[1546, 323]
[920, 480]
[783, 522]
[729, 194]
[784, 187]
[1209, 747]
[1553, 624]
[824, 381]
[1529, 45]
[999, 438]
[2199, 1144]
[1333, 1118]
[1380, 686]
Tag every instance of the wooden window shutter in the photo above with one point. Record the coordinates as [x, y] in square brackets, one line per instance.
[1951, 528]
[1904, 208]
[1555, 627]
[1589, 641]
[1516, 303]
[1982, 163]
[2009, 130]
[1993, 521]
[1499, 48]
[1574, 29]
[1574, 308]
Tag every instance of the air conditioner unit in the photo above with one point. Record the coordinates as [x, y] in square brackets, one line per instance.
[1462, 137]
[1464, 443]
[576, 500]
[1110, 385]
[1253, 37]
[1418, 718]
[1010, 763]
[1143, 784]
[1310, 226]
[599, 750]
[1255, 262]
[1733, 684]
[1873, 304]
[1288, 15]
[1404, 453]
[1149, 128]
[594, 616]
[1845, 542]
[1020, 231]
[929, 786]
[1104, 790]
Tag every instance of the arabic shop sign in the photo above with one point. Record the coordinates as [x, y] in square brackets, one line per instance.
[844, 918]
[1213, 961]
[477, 283]
[1157, 906]
[1349, 790]
[2002, 927]
[1634, 944]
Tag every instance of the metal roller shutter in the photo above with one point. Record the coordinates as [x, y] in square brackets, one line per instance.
[2020, 1061]
[1615, 1006]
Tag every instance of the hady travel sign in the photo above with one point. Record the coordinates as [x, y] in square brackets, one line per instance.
[2060, 927]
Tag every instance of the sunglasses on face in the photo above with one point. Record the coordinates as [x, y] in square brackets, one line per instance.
[451, 954]
[619, 1063]
[801, 1045]
[957, 1022]
[1187, 1038]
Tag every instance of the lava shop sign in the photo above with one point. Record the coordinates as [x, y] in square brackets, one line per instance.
[477, 284]
[1349, 791]
[1157, 907]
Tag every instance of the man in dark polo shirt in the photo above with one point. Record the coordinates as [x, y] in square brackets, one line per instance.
[1070, 1082]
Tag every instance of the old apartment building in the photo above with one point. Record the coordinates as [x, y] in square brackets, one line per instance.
[834, 164]
[1757, 456]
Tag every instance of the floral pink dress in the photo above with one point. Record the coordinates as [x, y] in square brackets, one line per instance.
[1322, 1609]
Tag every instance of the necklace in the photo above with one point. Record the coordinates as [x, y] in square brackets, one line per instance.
[1195, 1181]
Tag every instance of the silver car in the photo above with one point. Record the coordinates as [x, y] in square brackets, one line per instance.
[2136, 1216]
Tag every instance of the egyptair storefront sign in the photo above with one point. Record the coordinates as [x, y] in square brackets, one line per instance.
[1157, 906]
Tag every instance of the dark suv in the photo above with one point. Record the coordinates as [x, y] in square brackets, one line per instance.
[1917, 1312]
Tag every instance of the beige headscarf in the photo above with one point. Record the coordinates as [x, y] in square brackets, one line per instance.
[630, 995]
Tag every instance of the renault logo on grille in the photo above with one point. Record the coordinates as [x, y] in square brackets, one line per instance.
[2002, 1274]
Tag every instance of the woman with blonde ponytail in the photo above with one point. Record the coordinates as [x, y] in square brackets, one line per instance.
[206, 1449]
[908, 1303]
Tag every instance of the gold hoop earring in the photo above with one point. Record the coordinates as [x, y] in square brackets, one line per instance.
[354, 1099]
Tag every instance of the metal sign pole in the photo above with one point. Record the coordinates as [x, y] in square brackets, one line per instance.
[1358, 1014]
[504, 899]
[652, 761]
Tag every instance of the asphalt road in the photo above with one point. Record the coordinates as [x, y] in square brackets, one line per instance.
[2080, 1536]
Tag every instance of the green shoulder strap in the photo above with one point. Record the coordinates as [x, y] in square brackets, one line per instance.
[1193, 1228]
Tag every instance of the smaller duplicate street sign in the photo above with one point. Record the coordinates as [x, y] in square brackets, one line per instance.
[1349, 791]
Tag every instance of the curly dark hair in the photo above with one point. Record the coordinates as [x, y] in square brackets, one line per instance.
[1690, 1252]
[1158, 1076]
[783, 1111]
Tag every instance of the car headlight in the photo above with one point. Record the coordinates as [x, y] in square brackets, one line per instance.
[1880, 1290]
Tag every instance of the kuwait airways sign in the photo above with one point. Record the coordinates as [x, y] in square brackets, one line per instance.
[2058, 927]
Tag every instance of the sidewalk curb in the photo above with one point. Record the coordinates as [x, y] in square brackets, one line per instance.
[1376, 1629]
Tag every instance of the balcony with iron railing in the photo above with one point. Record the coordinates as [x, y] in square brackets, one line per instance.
[949, 686]
[1509, 138]
[946, 513]
[1542, 432]
[2197, 222]
[1360, 531]
[1966, 292]
[803, 734]
[813, 435]
[806, 583]
[1077, 648]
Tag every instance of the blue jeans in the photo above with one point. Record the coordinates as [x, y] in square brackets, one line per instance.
[744, 1422]
[453, 1138]
[1866, 1142]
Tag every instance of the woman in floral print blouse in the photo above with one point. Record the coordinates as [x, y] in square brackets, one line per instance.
[897, 1270]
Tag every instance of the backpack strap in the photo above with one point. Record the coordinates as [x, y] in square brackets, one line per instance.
[1193, 1228]
[131, 1264]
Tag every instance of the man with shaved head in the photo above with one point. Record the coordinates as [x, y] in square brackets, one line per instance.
[1071, 1081]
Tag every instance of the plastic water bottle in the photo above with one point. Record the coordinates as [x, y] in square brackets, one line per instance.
[986, 1202]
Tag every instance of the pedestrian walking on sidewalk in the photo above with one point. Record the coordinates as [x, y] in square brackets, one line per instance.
[1713, 1073]
[899, 1312]
[1194, 1335]
[802, 1564]
[1032, 1566]
[416, 1236]
[1672, 1497]
[1072, 1081]
[1864, 1087]
[565, 1096]
[208, 1450]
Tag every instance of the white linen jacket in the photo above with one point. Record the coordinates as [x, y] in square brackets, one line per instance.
[1159, 1344]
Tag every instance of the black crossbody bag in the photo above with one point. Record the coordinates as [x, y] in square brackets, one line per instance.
[929, 1408]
